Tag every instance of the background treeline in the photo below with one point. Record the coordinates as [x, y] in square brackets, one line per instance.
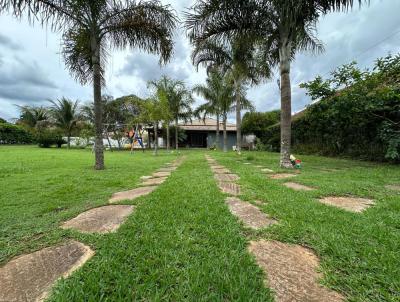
[356, 113]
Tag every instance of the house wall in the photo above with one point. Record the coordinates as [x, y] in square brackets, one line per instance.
[231, 140]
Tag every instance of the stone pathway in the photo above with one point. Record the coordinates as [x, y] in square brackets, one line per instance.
[131, 194]
[100, 220]
[226, 177]
[297, 187]
[249, 214]
[291, 272]
[352, 204]
[30, 277]
[393, 187]
[282, 175]
[229, 188]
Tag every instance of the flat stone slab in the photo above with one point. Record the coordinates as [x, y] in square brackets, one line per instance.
[30, 277]
[249, 214]
[246, 163]
[282, 175]
[217, 167]
[229, 188]
[221, 171]
[161, 174]
[393, 187]
[146, 177]
[167, 169]
[297, 187]
[226, 177]
[154, 181]
[291, 272]
[131, 194]
[100, 220]
[352, 204]
[259, 166]
[267, 170]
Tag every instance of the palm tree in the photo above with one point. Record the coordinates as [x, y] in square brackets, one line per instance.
[238, 58]
[280, 29]
[66, 116]
[89, 27]
[32, 116]
[214, 92]
[179, 104]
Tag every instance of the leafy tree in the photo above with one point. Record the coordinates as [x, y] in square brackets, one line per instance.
[89, 27]
[257, 123]
[2, 121]
[14, 134]
[280, 29]
[66, 116]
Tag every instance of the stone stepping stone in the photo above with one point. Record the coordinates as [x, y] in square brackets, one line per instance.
[291, 272]
[229, 188]
[31, 276]
[146, 177]
[259, 166]
[167, 169]
[393, 187]
[267, 170]
[161, 174]
[297, 187]
[226, 177]
[131, 194]
[221, 171]
[100, 220]
[352, 204]
[246, 163]
[154, 181]
[282, 175]
[249, 214]
[217, 167]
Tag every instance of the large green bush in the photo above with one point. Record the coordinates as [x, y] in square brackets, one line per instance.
[13, 134]
[48, 137]
[357, 114]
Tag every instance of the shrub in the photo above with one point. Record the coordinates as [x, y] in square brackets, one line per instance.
[49, 137]
[13, 134]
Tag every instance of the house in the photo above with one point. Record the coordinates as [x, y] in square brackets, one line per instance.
[201, 134]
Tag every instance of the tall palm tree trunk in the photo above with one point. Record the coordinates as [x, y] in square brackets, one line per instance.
[217, 133]
[155, 138]
[286, 103]
[238, 119]
[176, 134]
[225, 135]
[98, 110]
[167, 125]
[68, 141]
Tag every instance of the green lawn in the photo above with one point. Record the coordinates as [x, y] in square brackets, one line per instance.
[182, 243]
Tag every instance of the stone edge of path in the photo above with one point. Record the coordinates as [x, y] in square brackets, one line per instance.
[41, 290]
[105, 224]
[291, 271]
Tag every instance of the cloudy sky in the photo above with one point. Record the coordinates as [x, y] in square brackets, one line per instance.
[32, 70]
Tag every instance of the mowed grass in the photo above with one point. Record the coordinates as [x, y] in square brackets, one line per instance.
[40, 188]
[359, 252]
[182, 243]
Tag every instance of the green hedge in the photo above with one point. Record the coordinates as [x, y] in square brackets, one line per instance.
[13, 134]
[359, 118]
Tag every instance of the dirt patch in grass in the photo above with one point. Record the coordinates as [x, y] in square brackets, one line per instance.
[291, 272]
[226, 177]
[30, 277]
[161, 174]
[131, 194]
[282, 175]
[297, 187]
[154, 181]
[100, 220]
[393, 187]
[229, 188]
[249, 214]
[352, 204]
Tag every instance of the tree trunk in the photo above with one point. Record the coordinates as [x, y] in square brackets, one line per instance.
[98, 110]
[155, 138]
[217, 134]
[68, 141]
[225, 135]
[167, 125]
[118, 140]
[148, 139]
[176, 134]
[286, 103]
[238, 118]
